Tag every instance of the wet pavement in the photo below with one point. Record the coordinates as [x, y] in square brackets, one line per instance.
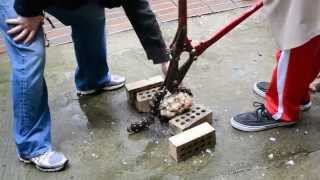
[91, 131]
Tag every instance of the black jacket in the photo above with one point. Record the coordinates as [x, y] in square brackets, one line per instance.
[29, 8]
[139, 13]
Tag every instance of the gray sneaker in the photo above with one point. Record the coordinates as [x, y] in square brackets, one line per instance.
[116, 82]
[50, 161]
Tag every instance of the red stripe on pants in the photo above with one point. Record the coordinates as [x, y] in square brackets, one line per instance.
[289, 87]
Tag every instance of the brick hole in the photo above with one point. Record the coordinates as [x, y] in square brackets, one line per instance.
[193, 111]
[153, 90]
[197, 108]
[149, 96]
[188, 114]
[148, 92]
[140, 94]
[143, 97]
[182, 117]
[183, 156]
[192, 117]
[182, 123]
[203, 110]
[177, 120]
[187, 120]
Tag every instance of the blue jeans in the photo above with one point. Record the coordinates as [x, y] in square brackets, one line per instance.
[29, 91]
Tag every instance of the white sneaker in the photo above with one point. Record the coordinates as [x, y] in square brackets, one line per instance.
[116, 82]
[50, 161]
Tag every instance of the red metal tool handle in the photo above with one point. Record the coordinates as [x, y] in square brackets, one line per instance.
[202, 46]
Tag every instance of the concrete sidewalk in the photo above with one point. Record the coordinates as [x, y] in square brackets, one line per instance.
[92, 131]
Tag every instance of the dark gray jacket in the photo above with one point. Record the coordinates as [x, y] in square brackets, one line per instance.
[139, 13]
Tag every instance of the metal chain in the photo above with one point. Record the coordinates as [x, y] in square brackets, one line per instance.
[158, 97]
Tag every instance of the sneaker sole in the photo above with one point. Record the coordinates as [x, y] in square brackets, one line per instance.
[242, 127]
[110, 88]
[44, 169]
[52, 169]
[262, 94]
[258, 91]
[86, 93]
[24, 160]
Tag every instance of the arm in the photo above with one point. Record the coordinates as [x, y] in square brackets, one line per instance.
[30, 8]
[148, 31]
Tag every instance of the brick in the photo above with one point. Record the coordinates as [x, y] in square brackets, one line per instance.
[143, 99]
[198, 114]
[134, 87]
[191, 142]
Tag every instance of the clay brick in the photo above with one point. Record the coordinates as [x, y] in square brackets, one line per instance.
[143, 99]
[192, 141]
[198, 114]
[134, 87]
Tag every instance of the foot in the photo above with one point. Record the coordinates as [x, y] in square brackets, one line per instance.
[261, 87]
[257, 120]
[116, 82]
[50, 161]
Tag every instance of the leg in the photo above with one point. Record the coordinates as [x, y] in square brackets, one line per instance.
[290, 80]
[261, 87]
[292, 74]
[30, 99]
[88, 33]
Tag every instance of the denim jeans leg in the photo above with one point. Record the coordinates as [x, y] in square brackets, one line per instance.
[88, 34]
[31, 127]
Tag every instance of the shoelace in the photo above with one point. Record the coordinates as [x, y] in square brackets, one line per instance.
[261, 110]
[42, 157]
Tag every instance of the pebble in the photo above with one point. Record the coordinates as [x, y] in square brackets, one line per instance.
[273, 139]
[306, 132]
[290, 163]
[124, 162]
[209, 152]
[94, 155]
[270, 156]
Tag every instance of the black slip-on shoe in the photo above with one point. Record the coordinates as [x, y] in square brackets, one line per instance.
[257, 120]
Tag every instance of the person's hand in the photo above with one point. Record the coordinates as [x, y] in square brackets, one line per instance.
[24, 28]
[165, 68]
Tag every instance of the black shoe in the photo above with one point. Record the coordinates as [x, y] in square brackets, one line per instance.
[257, 121]
[261, 87]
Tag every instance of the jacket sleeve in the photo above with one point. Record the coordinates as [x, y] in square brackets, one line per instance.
[29, 8]
[147, 28]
